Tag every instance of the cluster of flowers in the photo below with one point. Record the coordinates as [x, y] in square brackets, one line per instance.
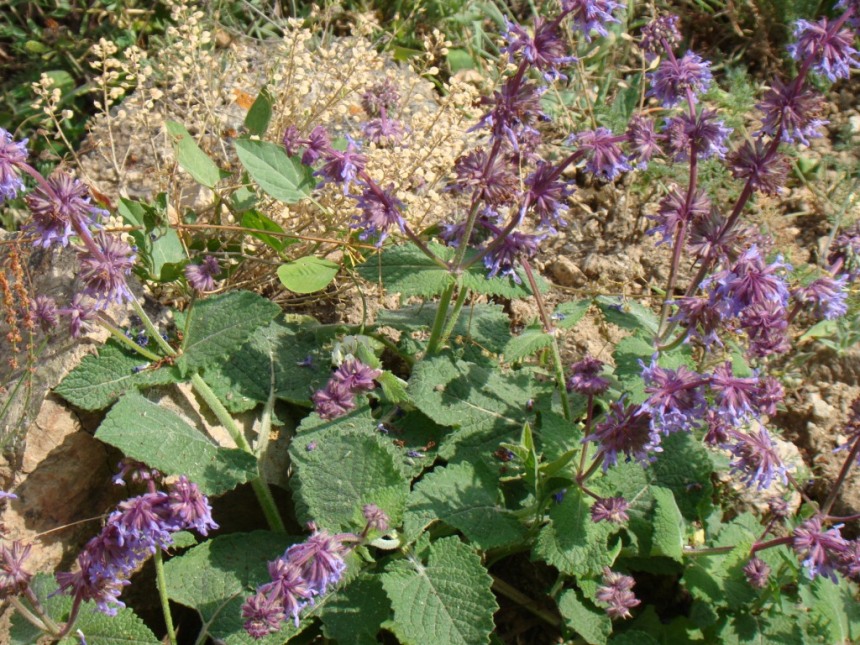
[306, 571]
[338, 396]
[61, 209]
[132, 533]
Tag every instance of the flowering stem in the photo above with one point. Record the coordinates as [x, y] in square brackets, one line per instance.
[843, 473]
[261, 489]
[525, 602]
[151, 329]
[29, 616]
[128, 342]
[586, 432]
[439, 320]
[455, 314]
[548, 328]
[161, 583]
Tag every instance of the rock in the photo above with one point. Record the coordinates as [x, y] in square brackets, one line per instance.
[566, 273]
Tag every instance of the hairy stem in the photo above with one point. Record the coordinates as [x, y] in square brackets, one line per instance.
[161, 583]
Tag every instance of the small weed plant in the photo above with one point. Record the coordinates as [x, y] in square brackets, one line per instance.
[433, 447]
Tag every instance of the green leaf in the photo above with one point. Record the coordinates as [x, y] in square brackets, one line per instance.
[259, 222]
[633, 637]
[487, 326]
[159, 244]
[630, 481]
[628, 352]
[393, 388]
[448, 600]
[469, 396]
[685, 467]
[125, 628]
[567, 314]
[258, 117]
[274, 358]
[668, 525]
[308, 274]
[759, 629]
[572, 542]
[280, 176]
[189, 155]
[338, 472]
[465, 497]
[217, 576]
[628, 314]
[101, 379]
[160, 438]
[220, 325]
[530, 341]
[356, 612]
[591, 623]
[404, 269]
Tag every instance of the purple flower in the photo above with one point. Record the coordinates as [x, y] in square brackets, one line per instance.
[384, 132]
[12, 154]
[58, 209]
[844, 253]
[766, 327]
[137, 472]
[14, 579]
[104, 269]
[616, 593]
[380, 97]
[819, 549]
[671, 81]
[342, 166]
[643, 140]
[676, 398]
[704, 133]
[825, 296]
[764, 170]
[702, 319]
[755, 458]
[289, 586]
[356, 376]
[601, 147]
[315, 145]
[757, 572]
[202, 276]
[320, 559]
[627, 429]
[263, 613]
[610, 509]
[189, 507]
[80, 315]
[502, 259]
[545, 50]
[333, 401]
[793, 110]
[512, 111]
[717, 428]
[830, 49]
[494, 179]
[585, 377]
[377, 519]
[736, 396]
[849, 560]
[43, 311]
[675, 211]
[750, 281]
[90, 583]
[380, 210]
[769, 393]
[707, 237]
[655, 33]
[591, 15]
[546, 195]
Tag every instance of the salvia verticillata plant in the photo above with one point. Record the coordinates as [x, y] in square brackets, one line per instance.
[433, 450]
